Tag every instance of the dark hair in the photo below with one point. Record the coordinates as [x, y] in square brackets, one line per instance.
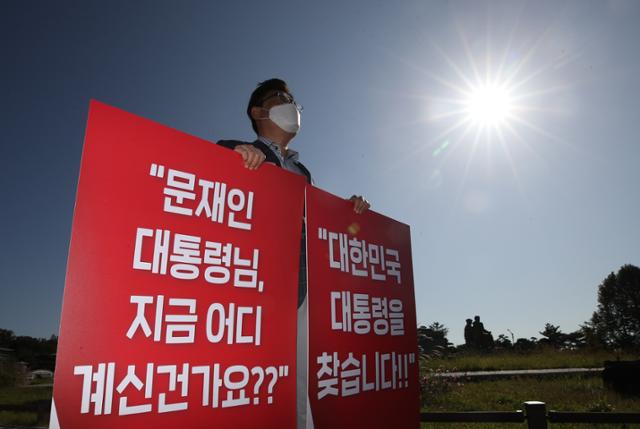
[261, 91]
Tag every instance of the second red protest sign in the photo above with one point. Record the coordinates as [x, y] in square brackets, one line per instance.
[363, 361]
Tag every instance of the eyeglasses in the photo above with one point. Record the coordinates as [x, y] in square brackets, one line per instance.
[286, 98]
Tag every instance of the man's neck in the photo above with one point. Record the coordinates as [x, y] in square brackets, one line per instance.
[281, 142]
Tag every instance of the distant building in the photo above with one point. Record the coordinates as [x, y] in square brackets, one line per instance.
[40, 374]
[5, 353]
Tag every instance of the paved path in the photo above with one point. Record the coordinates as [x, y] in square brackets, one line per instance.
[514, 372]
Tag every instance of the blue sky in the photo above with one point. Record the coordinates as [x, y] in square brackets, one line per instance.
[518, 225]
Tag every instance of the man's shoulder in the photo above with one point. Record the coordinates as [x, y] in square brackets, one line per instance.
[231, 144]
[268, 153]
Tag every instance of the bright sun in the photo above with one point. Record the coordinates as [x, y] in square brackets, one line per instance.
[489, 105]
[487, 98]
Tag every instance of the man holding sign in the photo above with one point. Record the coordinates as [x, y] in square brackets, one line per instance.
[179, 303]
[275, 118]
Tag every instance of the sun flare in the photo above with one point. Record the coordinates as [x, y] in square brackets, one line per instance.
[485, 103]
[489, 105]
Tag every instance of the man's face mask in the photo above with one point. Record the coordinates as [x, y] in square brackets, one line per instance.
[286, 116]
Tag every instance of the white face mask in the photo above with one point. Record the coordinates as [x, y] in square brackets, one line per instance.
[286, 116]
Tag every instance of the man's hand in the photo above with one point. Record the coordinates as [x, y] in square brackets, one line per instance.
[360, 205]
[252, 156]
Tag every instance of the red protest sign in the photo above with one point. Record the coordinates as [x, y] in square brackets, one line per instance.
[363, 361]
[181, 292]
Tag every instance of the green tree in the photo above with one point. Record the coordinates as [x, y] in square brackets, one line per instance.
[432, 339]
[617, 318]
[575, 340]
[553, 336]
[589, 335]
[504, 342]
[525, 345]
[7, 338]
[38, 353]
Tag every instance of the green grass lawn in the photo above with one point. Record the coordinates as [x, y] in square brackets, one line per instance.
[12, 418]
[21, 395]
[540, 359]
[560, 393]
[523, 426]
